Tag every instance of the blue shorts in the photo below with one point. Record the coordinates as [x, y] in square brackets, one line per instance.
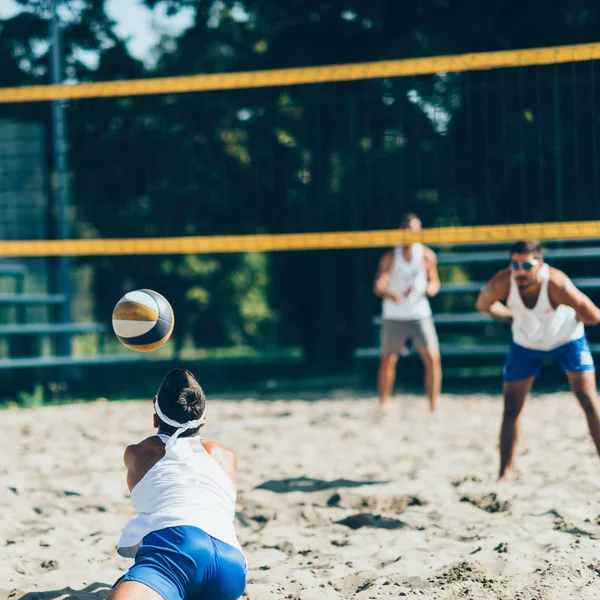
[186, 563]
[522, 363]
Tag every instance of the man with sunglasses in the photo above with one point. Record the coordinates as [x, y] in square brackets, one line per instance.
[547, 313]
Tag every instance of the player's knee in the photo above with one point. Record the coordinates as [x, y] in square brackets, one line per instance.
[511, 412]
[588, 402]
[512, 406]
[431, 358]
[389, 360]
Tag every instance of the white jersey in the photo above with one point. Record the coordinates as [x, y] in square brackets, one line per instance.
[185, 487]
[542, 327]
[410, 279]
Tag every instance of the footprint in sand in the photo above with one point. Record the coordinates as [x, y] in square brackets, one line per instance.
[561, 525]
[488, 502]
[370, 520]
[91, 508]
[49, 565]
[465, 571]
[395, 504]
[468, 479]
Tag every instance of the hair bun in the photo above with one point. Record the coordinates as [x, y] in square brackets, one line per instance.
[189, 397]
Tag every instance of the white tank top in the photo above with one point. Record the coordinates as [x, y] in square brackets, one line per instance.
[542, 327]
[410, 279]
[185, 487]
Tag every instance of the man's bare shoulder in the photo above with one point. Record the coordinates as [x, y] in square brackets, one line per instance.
[429, 254]
[501, 277]
[558, 278]
[560, 287]
[500, 282]
[386, 260]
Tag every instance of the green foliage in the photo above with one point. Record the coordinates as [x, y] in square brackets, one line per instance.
[469, 148]
[250, 287]
[228, 300]
[35, 399]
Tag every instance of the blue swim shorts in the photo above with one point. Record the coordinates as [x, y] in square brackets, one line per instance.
[522, 363]
[185, 563]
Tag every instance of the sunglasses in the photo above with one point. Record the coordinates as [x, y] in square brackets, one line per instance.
[524, 265]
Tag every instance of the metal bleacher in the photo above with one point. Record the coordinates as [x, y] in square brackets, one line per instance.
[473, 287]
[31, 299]
[35, 332]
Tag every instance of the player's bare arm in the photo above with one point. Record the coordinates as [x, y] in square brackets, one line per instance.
[493, 294]
[433, 277]
[383, 276]
[225, 458]
[132, 464]
[562, 290]
[139, 459]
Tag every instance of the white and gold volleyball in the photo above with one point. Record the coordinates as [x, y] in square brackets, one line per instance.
[143, 320]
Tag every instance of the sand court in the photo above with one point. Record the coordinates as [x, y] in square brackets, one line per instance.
[333, 502]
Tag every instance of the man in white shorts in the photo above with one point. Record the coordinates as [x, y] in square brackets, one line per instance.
[407, 275]
[548, 314]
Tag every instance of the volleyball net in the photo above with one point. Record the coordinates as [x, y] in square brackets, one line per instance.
[197, 186]
[313, 158]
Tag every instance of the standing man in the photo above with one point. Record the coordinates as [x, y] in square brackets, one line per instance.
[548, 314]
[407, 275]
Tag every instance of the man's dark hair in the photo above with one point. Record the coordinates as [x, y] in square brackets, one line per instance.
[408, 217]
[527, 247]
[180, 398]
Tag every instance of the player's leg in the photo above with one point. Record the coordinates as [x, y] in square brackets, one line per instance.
[583, 385]
[386, 378]
[133, 590]
[433, 374]
[520, 370]
[426, 342]
[515, 393]
[392, 342]
[577, 362]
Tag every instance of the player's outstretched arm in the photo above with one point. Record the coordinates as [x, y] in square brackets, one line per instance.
[382, 278]
[225, 458]
[433, 277]
[563, 291]
[493, 294]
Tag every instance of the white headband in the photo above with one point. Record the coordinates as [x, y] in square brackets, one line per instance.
[181, 427]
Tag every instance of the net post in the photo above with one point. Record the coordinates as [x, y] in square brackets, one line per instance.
[558, 178]
[59, 150]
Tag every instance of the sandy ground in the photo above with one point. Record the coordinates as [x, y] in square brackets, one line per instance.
[333, 503]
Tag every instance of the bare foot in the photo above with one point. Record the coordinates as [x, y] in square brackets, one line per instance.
[382, 406]
[506, 476]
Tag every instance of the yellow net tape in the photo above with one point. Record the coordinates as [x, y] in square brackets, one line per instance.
[305, 75]
[301, 241]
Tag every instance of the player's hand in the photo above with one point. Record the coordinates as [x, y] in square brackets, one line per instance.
[432, 290]
[395, 297]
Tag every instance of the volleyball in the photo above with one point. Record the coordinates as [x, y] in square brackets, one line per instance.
[143, 320]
